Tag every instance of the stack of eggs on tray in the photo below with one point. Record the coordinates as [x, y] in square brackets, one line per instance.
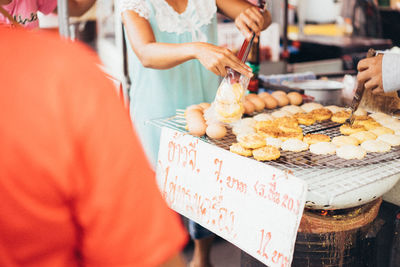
[264, 135]
[197, 125]
[265, 100]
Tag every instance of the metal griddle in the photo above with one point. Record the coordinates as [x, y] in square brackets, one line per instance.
[333, 183]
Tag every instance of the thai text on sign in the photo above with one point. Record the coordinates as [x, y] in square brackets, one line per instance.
[251, 204]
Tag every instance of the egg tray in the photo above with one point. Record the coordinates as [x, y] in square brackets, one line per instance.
[304, 159]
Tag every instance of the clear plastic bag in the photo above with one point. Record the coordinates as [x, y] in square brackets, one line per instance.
[228, 103]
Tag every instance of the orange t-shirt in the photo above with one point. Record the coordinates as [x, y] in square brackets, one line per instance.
[75, 186]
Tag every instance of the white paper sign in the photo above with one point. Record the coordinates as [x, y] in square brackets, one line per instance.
[252, 205]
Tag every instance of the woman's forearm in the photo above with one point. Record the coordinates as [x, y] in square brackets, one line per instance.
[153, 54]
[165, 55]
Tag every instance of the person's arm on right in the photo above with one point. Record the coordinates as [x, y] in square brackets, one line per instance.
[391, 72]
[380, 73]
[165, 55]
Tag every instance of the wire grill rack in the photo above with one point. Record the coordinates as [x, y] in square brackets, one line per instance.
[327, 176]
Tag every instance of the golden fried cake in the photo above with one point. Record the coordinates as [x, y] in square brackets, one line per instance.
[369, 125]
[388, 121]
[308, 107]
[381, 130]
[280, 114]
[286, 136]
[243, 123]
[334, 109]
[376, 146]
[364, 136]
[305, 118]
[294, 145]
[266, 153]
[350, 152]
[293, 109]
[379, 116]
[344, 140]
[363, 120]
[323, 148]
[230, 112]
[252, 141]
[316, 138]
[391, 139]
[264, 124]
[340, 117]
[290, 129]
[321, 114]
[287, 121]
[275, 142]
[269, 131]
[229, 93]
[263, 117]
[394, 126]
[238, 149]
[242, 129]
[348, 129]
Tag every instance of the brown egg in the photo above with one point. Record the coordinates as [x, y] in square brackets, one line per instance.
[216, 131]
[193, 113]
[249, 96]
[295, 98]
[196, 126]
[270, 102]
[194, 107]
[204, 105]
[283, 100]
[275, 93]
[249, 107]
[258, 102]
[263, 94]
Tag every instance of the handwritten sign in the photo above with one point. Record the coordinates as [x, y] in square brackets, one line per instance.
[252, 205]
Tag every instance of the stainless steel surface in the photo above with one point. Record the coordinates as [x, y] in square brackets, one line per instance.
[63, 18]
[326, 92]
[333, 183]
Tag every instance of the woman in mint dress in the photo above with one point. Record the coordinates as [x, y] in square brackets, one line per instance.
[174, 60]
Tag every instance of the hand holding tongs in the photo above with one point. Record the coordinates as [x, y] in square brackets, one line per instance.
[244, 51]
[359, 93]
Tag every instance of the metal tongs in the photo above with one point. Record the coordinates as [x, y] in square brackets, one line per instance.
[232, 75]
[359, 93]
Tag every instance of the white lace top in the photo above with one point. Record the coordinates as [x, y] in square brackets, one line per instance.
[197, 14]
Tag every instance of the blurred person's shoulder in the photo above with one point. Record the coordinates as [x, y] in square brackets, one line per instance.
[44, 44]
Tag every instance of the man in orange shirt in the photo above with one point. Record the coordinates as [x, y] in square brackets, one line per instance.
[75, 186]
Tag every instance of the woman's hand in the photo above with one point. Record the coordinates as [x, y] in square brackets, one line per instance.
[370, 73]
[250, 20]
[216, 59]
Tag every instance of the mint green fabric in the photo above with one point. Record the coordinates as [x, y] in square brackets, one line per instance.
[158, 93]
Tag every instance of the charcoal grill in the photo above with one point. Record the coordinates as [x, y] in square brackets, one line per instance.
[333, 183]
